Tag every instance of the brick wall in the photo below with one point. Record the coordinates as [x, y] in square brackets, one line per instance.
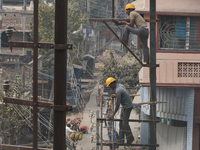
[20, 20]
[15, 19]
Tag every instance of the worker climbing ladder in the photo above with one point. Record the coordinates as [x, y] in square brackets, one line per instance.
[152, 68]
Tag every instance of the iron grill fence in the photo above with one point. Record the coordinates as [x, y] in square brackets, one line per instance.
[179, 33]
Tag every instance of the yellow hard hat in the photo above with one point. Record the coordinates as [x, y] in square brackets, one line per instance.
[109, 80]
[129, 6]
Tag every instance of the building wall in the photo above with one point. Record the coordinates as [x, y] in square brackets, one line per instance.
[170, 5]
[168, 71]
[144, 129]
[19, 20]
[16, 17]
[177, 140]
[12, 65]
[176, 102]
[180, 106]
[176, 5]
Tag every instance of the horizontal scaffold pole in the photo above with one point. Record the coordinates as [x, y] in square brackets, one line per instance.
[145, 145]
[149, 103]
[130, 120]
[107, 19]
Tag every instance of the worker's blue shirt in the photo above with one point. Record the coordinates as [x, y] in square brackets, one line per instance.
[122, 96]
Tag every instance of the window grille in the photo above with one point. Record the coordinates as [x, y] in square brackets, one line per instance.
[179, 33]
[188, 69]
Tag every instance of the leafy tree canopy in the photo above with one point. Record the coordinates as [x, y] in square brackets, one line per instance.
[125, 73]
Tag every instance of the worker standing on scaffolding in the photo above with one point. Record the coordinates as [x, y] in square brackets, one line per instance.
[141, 29]
[124, 99]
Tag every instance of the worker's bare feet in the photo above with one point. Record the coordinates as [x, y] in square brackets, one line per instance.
[124, 42]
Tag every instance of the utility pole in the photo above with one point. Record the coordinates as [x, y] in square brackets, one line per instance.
[88, 23]
[152, 139]
[60, 74]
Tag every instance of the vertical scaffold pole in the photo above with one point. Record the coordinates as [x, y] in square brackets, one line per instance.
[101, 99]
[113, 129]
[60, 74]
[113, 8]
[97, 130]
[35, 77]
[152, 139]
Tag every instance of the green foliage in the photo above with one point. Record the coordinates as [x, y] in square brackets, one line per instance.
[125, 73]
[12, 117]
[46, 18]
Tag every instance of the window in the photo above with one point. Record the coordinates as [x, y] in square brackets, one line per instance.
[179, 33]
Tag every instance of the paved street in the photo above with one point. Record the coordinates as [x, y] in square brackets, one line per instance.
[85, 143]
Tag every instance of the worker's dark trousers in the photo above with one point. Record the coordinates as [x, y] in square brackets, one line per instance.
[124, 126]
[143, 33]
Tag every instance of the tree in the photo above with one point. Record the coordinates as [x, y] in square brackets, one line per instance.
[12, 117]
[125, 72]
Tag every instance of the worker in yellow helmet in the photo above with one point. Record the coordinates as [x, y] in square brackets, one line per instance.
[141, 29]
[124, 99]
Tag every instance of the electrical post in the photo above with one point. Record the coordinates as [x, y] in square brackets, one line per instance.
[88, 23]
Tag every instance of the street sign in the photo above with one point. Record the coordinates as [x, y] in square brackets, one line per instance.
[89, 30]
